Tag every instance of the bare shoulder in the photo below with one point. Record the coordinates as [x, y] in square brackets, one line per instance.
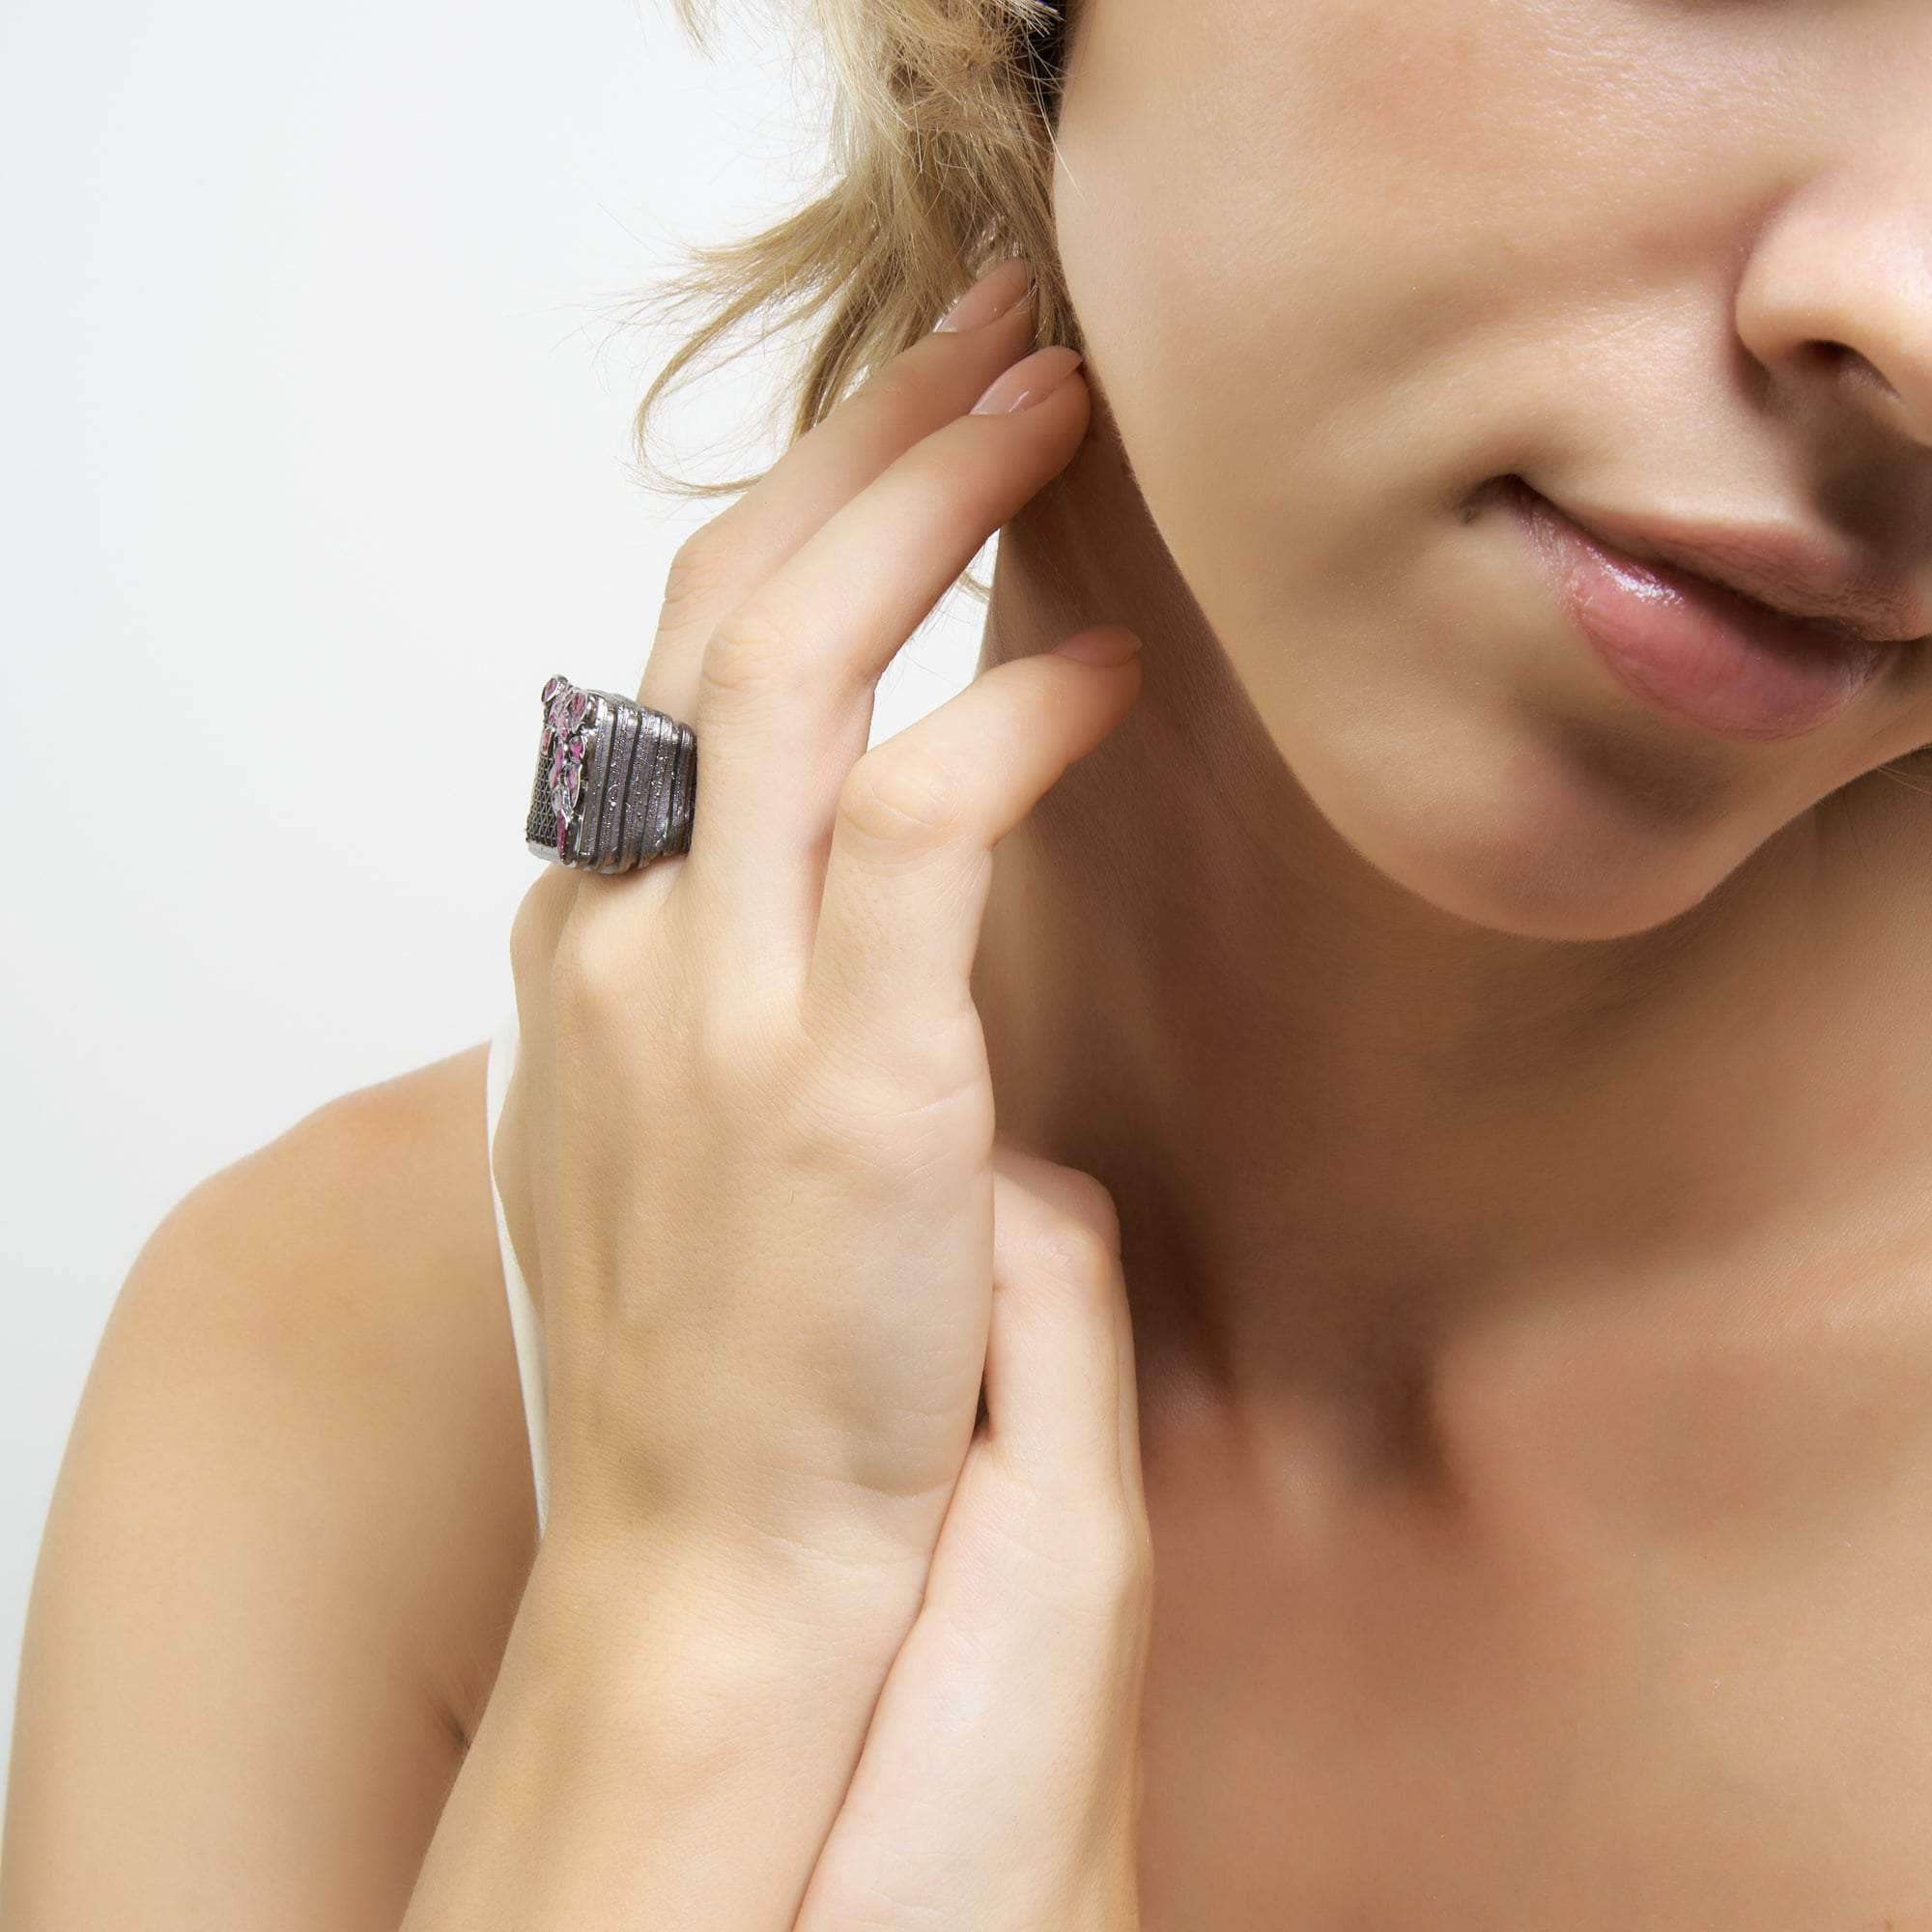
[377, 1205]
[404, 1167]
[288, 1538]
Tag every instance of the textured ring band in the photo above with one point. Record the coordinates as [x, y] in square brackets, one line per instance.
[616, 783]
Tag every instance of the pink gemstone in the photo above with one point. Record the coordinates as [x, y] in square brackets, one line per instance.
[579, 705]
[562, 833]
[563, 768]
[556, 685]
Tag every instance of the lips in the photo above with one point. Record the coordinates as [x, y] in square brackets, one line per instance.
[1792, 573]
[1691, 647]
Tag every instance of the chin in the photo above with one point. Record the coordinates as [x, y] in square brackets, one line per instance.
[1544, 840]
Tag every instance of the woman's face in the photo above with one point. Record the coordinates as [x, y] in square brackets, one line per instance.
[1344, 267]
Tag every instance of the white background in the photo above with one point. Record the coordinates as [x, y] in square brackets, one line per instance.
[315, 402]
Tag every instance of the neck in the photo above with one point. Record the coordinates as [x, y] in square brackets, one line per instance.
[1350, 1132]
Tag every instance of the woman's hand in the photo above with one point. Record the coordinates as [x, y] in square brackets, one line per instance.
[1000, 1785]
[747, 1152]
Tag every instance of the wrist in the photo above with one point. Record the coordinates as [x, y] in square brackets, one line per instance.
[656, 1622]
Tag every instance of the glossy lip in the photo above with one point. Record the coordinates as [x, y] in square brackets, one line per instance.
[1689, 645]
[1790, 572]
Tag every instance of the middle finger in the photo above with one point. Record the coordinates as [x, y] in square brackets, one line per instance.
[785, 700]
[911, 395]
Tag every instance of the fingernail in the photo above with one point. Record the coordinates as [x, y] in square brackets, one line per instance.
[1031, 379]
[990, 296]
[1100, 647]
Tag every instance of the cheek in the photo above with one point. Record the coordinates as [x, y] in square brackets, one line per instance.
[1264, 286]
[1329, 307]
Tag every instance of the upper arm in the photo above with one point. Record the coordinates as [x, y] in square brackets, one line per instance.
[233, 1700]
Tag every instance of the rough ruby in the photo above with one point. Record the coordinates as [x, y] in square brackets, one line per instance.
[564, 748]
[566, 762]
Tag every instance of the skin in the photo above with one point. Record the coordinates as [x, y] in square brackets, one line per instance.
[1513, 1097]
[1521, 1167]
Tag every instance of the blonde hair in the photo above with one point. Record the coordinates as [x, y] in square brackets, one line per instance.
[942, 140]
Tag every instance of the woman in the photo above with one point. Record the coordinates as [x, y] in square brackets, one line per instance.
[1451, 1275]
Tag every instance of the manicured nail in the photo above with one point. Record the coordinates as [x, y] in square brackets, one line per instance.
[990, 296]
[1031, 379]
[1107, 648]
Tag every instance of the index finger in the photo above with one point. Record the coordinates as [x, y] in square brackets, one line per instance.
[918, 391]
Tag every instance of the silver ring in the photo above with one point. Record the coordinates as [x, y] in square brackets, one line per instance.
[616, 783]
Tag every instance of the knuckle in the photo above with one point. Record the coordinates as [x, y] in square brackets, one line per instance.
[898, 389]
[1073, 1255]
[536, 924]
[700, 568]
[594, 973]
[904, 798]
[943, 487]
[1090, 1201]
[746, 656]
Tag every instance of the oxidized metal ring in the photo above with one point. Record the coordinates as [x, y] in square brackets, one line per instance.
[616, 783]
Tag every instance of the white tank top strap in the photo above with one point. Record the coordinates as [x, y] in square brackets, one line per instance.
[524, 1323]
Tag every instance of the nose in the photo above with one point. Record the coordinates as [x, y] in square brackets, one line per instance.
[1837, 299]
[1868, 390]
